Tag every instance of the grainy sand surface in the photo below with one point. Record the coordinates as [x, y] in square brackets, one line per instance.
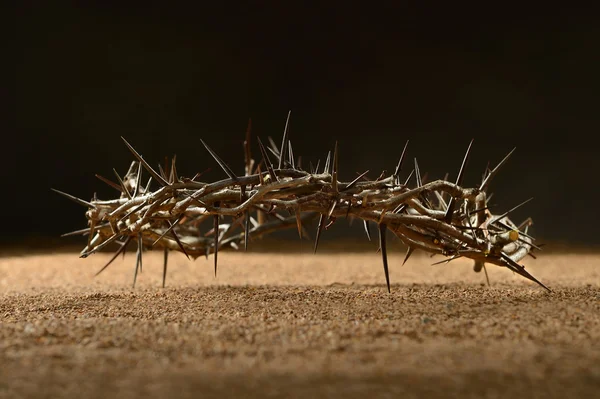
[297, 325]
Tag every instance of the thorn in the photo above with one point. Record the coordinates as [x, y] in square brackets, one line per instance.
[494, 171]
[174, 176]
[216, 228]
[222, 164]
[166, 259]
[121, 249]
[487, 278]
[284, 141]
[138, 181]
[110, 183]
[124, 189]
[399, 166]
[246, 229]
[247, 152]
[299, 223]
[515, 267]
[459, 179]
[138, 263]
[291, 155]
[171, 226]
[409, 252]
[497, 218]
[334, 176]
[327, 163]
[367, 229]
[178, 241]
[75, 199]
[266, 159]
[382, 245]
[152, 172]
[353, 182]
[418, 174]
[408, 178]
[319, 230]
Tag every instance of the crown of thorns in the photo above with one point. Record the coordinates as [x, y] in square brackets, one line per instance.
[439, 217]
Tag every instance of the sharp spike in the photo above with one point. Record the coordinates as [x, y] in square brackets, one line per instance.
[166, 260]
[409, 176]
[174, 176]
[138, 182]
[216, 228]
[459, 179]
[299, 223]
[383, 247]
[497, 218]
[367, 228]
[317, 167]
[121, 249]
[399, 166]
[247, 152]
[284, 141]
[515, 267]
[327, 163]
[418, 174]
[246, 230]
[319, 230]
[409, 252]
[487, 278]
[355, 181]
[75, 199]
[82, 231]
[266, 159]
[167, 231]
[138, 263]
[222, 164]
[179, 243]
[110, 183]
[291, 155]
[446, 260]
[493, 172]
[124, 189]
[152, 172]
[334, 175]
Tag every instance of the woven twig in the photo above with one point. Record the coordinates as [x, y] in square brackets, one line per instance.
[440, 217]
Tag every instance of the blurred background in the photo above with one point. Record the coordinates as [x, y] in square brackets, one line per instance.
[164, 77]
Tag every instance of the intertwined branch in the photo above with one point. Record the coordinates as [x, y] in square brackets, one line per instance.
[439, 217]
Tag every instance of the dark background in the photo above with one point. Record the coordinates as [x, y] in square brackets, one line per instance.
[86, 74]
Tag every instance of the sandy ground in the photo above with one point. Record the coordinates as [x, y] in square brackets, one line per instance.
[297, 325]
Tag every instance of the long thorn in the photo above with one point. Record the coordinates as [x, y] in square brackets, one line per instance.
[399, 166]
[353, 182]
[493, 172]
[367, 229]
[383, 247]
[75, 199]
[459, 179]
[110, 183]
[216, 228]
[121, 249]
[222, 164]
[138, 263]
[284, 141]
[319, 230]
[152, 172]
[166, 261]
[266, 159]
[124, 189]
[409, 252]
